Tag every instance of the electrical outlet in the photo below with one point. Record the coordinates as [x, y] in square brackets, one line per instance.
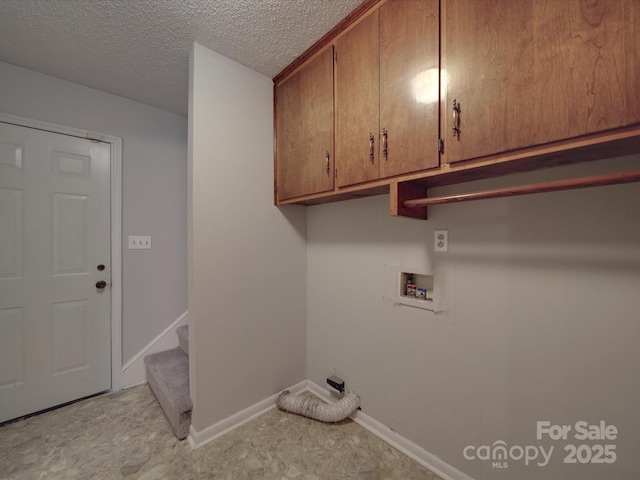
[139, 242]
[441, 241]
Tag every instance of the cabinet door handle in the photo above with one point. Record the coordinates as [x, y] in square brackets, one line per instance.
[327, 156]
[371, 147]
[384, 143]
[456, 118]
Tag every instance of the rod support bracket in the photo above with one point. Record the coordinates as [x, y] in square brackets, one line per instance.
[400, 192]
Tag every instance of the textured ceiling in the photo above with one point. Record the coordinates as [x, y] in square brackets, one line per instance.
[139, 49]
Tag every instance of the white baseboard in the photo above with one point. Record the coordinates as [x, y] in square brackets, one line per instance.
[133, 372]
[199, 438]
[417, 453]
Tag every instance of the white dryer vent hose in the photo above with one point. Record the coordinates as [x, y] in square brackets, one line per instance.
[312, 407]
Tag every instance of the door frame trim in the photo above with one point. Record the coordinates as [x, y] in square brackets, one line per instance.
[116, 227]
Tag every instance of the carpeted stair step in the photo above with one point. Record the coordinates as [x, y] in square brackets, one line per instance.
[168, 377]
[183, 338]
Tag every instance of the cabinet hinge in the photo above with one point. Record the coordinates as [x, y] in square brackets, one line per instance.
[335, 56]
[335, 173]
[441, 146]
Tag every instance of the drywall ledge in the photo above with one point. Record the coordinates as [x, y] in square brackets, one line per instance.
[134, 372]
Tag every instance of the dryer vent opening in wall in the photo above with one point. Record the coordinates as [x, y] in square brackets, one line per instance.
[335, 385]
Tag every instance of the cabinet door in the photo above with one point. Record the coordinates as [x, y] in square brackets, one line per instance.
[304, 130]
[357, 111]
[530, 72]
[409, 85]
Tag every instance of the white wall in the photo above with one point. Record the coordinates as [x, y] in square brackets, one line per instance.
[154, 183]
[247, 263]
[545, 326]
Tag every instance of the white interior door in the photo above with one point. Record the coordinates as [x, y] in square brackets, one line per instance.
[55, 327]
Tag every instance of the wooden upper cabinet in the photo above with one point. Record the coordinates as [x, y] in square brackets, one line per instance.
[387, 93]
[357, 93]
[409, 86]
[304, 130]
[528, 72]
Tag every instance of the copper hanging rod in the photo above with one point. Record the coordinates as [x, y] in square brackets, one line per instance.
[595, 181]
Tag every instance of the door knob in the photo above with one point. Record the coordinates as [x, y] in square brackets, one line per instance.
[101, 284]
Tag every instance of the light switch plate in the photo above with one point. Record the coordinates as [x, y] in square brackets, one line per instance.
[139, 242]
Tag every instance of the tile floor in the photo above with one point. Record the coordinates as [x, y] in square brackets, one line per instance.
[126, 436]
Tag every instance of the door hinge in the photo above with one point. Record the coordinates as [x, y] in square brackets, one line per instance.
[441, 146]
[94, 137]
[335, 56]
